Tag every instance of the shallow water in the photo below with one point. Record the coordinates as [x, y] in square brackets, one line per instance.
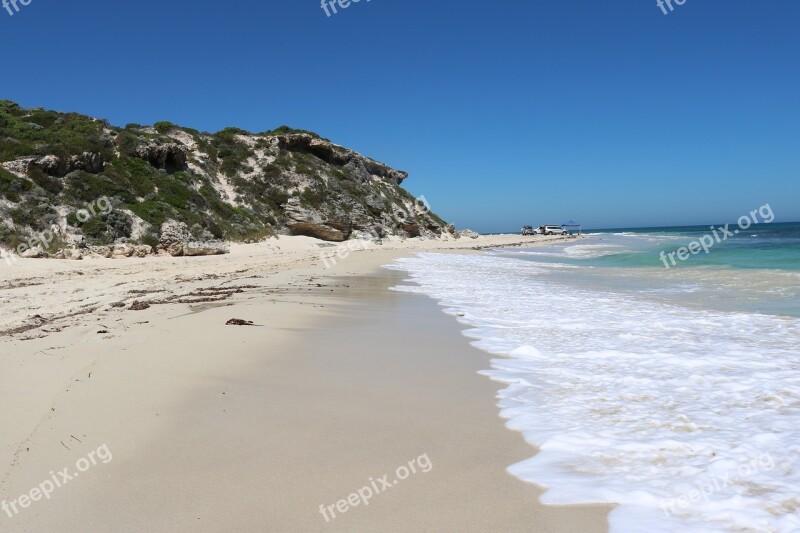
[675, 393]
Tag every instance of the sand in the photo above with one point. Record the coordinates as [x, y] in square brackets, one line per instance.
[195, 425]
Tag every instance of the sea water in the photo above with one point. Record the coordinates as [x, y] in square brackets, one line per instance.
[674, 393]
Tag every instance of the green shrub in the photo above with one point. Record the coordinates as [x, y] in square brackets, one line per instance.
[37, 216]
[284, 130]
[150, 239]
[231, 131]
[174, 190]
[305, 170]
[11, 186]
[41, 132]
[135, 174]
[163, 126]
[86, 187]
[10, 237]
[50, 184]
[231, 151]
[127, 142]
[97, 231]
[150, 211]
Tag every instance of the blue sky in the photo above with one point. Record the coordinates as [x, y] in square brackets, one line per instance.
[505, 113]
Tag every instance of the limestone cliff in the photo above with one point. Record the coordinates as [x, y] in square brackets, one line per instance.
[166, 180]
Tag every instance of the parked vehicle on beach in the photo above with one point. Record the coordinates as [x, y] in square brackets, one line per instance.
[528, 230]
[553, 230]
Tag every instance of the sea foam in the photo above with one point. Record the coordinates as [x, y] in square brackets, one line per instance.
[689, 419]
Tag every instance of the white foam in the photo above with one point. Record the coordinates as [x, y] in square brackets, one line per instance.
[577, 251]
[689, 419]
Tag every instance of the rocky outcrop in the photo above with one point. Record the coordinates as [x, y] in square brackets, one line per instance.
[33, 253]
[339, 156]
[90, 162]
[194, 248]
[413, 230]
[318, 231]
[56, 166]
[106, 252]
[469, 234]
[171, 157]
[325, 150]
[173, 236]
[309, 223]
[379, 169]
[233, 185]
[176, 240]
[123, 250]
[142, 250]
[75, 255]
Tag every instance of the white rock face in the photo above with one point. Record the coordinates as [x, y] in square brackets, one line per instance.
[33, 253]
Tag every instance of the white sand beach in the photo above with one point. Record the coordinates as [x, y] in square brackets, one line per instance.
[215, 427]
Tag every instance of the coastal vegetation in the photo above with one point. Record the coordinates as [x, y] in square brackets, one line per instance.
[230, 185]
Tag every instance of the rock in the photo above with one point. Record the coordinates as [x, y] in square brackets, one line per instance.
[325, 150]
[90, 162]
[123, 250]
[373, 236]
[142, 250]
[33, 253]
[175, 250]
[18, 166]
[413, 230]
[383, 171]
[340, 156]
[53, 165]
[176, 240]
[194, 249]
[103, 251]
[287, 182]
[310, 223]
[171, 157]
[375, 204]
[468, 233]
[173, 236]
[318, 231]
[296, 213]
[139, 306]
[117, 304]
[69, 254]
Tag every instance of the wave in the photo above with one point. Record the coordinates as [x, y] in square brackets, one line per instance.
[688, 419]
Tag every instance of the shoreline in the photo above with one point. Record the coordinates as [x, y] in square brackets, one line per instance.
[179, 398]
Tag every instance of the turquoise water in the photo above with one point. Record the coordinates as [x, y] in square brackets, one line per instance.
[762, 246]
[642, 384]
[756, 270]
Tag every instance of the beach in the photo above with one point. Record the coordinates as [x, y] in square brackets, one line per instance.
[671, 392]
[187, 423]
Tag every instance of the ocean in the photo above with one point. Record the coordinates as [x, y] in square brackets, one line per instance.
[673, 392]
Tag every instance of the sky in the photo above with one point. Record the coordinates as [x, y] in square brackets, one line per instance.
[504, 113]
